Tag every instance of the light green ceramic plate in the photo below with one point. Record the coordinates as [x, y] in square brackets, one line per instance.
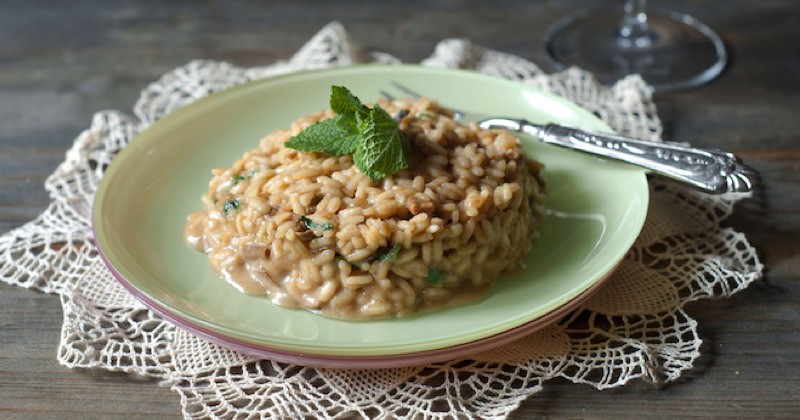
[597, 210]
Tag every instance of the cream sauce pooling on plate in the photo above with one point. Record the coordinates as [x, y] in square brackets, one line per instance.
[250, 277]
[246, 275]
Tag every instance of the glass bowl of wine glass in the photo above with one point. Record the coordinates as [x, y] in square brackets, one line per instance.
[670, 50]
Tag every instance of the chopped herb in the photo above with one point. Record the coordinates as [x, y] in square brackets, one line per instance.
[378, 146]
[425, 116]
[231, 204]
[239, 178]
[312, 225]
[389, 255]
[435, 277]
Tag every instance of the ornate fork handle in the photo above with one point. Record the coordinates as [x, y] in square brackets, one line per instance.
[710, 170]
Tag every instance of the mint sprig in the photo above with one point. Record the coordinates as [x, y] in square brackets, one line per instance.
[371, 135]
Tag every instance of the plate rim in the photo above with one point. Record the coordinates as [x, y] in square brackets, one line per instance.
[367, 361]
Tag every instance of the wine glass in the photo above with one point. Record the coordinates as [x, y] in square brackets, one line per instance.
[671, 51]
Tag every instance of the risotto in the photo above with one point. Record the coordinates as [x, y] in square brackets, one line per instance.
[309, 230]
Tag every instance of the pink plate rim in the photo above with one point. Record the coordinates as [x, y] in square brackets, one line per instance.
[359, 362]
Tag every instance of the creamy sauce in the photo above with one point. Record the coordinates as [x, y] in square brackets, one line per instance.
[247, 274]
[244, 272]
[193, 231]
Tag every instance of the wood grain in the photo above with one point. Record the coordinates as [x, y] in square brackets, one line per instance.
[60, 62]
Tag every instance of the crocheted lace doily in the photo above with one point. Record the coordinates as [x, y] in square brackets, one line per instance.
[634, 327]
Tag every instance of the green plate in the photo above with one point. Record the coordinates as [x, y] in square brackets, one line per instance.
[596, 210]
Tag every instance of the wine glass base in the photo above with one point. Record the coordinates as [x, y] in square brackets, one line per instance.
[682, 52]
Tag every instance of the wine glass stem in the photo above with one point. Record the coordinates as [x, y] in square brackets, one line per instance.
[634, 30]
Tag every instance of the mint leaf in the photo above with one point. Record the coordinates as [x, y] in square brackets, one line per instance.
[325, 136]
[312, 225]
[348, 107]
[347, 123]
[239, 178]
[383, 148]
[346, 146]
[230, 205]
[389, 255]
[343, 102]
[435, 277]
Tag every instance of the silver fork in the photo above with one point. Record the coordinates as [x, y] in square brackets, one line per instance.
[709, 170]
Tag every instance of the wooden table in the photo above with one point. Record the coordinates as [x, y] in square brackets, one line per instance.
[62, 61]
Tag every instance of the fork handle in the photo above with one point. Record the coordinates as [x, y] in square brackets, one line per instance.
[710, 170]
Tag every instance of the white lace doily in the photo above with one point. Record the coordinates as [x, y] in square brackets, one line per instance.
[634, 327]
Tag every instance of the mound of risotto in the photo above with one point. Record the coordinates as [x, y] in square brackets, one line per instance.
[309, 230]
